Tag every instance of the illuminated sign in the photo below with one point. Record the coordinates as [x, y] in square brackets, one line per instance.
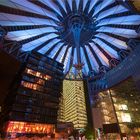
[25, 127]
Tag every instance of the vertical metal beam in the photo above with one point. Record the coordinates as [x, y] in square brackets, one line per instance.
[102, 50]
[80, 9]
[87, 7]
[65, 54]
[58, 52]
[95, 55]
[114, 110]
[87, 58]
[93, 8]
[61, 8]
[67, 6]
[74, 8]
[107, 7]
[71, 58]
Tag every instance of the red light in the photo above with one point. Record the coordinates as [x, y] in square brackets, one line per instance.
[24, 127]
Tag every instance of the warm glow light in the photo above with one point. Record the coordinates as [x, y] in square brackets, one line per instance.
[38, 74]
[25, 127]
[126, 117]
[30, 85]
[123, 107]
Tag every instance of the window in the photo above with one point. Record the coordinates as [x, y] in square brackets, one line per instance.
[123, 107]
[31, 85]
[126, 117]
[38, 74]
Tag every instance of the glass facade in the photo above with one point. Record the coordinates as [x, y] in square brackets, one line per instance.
[34, 95]
[120, 105]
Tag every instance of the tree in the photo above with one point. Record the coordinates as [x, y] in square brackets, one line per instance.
[89, 133]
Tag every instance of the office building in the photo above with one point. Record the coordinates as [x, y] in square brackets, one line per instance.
[119, 111]
[73, 106]
[32, 102]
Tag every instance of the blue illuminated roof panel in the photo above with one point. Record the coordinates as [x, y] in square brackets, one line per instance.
[103, 28]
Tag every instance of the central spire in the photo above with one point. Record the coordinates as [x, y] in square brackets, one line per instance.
[76, 25]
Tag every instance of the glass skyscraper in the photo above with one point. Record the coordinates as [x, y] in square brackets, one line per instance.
[73, 104]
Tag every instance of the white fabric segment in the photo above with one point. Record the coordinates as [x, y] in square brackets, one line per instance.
[67, 60]
[116, 42]
[101, 56]
[111, 11]
[75, 57]
[48, 46]
[30, 46]
[84, 4]
[102, 5]
[25, 5]
[54, 51]
[93, 61]
[118, 31]
[35, 21]
[70, 3]
[62, 3]
[107, 48]
[131, 19]
[61, 54]
[77, 3]
[93, 2]
[53, 6]
[86, 69]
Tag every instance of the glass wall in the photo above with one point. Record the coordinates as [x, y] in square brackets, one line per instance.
[121, 105]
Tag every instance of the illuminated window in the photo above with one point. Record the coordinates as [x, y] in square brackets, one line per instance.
[31, 85]
[41, 82]
[103, 103]
[123, 107]
[126, 117]
[46, 77]
[136, 109]
[38, 74]
[114, 99]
